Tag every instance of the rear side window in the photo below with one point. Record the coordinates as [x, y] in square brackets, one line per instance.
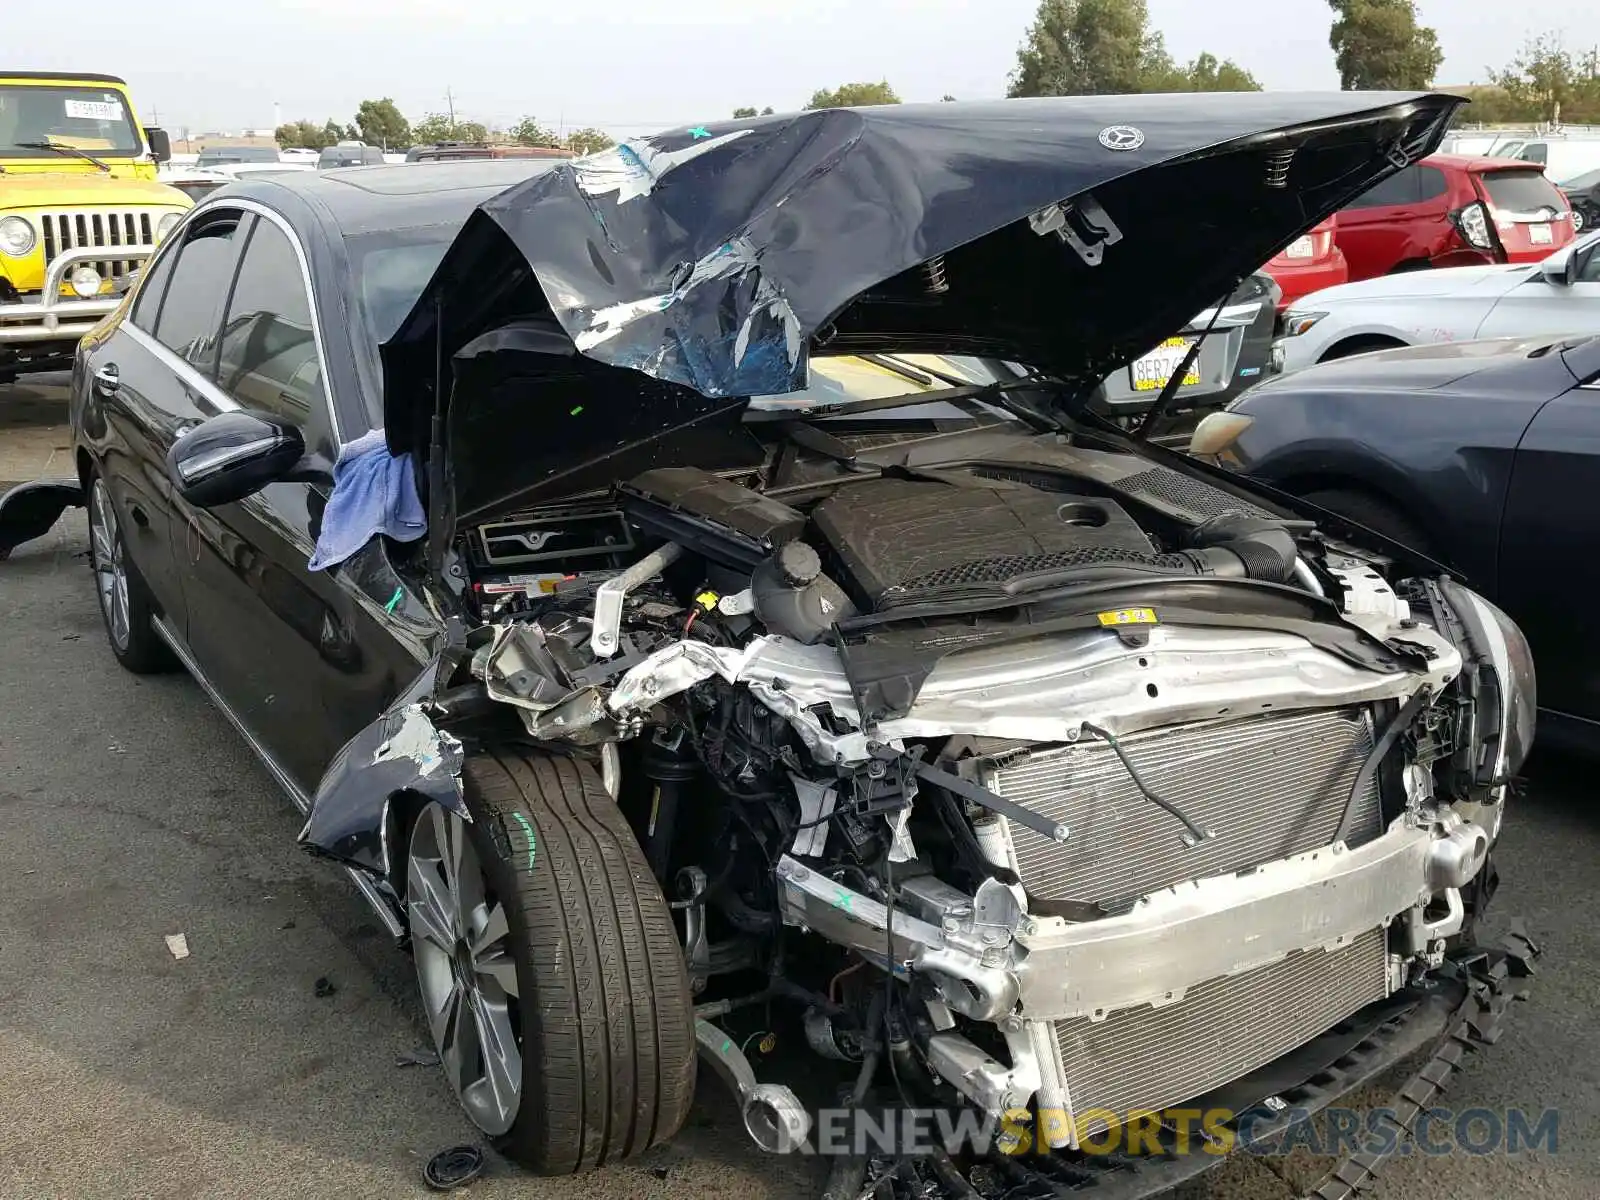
[1535, 152]
[1433, 182]
[1402, 188]
[191, 309]
[1521, 191]
[268, 360]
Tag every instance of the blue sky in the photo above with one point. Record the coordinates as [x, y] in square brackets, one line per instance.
[634, 65]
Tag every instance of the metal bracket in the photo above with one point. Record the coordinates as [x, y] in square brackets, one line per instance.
[610, 596]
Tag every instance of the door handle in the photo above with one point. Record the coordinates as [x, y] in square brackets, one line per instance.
[107, 380]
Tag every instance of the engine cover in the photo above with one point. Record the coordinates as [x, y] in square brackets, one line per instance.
[894, 538]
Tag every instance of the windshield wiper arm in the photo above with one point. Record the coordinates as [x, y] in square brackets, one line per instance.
[63, 148]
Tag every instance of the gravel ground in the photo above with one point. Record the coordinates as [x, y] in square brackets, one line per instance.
[133, 811]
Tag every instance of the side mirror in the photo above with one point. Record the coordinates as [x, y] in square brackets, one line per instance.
[1560, 269]
[232, 455]
[160, 145]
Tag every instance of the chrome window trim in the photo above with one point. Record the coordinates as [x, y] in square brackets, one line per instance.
[210, 205]
[182, 367]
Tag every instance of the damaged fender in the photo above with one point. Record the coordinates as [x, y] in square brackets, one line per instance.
[401, 754]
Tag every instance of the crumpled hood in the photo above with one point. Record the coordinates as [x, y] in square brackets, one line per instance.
[1071, 234]
[74, 189]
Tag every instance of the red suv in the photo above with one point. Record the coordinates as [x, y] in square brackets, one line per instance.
[1453, 210]
[1308, 264]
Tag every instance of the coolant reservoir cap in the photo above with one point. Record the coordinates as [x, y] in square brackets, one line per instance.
[798, 564]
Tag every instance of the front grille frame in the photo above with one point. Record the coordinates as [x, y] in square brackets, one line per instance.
[96, 228]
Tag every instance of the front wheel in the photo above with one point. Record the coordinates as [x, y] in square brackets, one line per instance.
[548, 966]
[125, 602]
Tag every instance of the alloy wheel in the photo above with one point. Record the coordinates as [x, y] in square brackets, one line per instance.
[465, 972]
[110, 571]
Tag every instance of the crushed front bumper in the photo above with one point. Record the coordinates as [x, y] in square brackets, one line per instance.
[53, 317]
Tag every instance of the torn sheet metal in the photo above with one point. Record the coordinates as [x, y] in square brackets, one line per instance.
[632, 169]
[402, 753]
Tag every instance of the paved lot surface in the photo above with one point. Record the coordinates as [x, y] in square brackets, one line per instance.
[131, 811]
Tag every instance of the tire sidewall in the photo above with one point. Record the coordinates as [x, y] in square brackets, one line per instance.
[505, 861]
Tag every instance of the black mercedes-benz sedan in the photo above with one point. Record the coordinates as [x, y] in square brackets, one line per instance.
[691, 590]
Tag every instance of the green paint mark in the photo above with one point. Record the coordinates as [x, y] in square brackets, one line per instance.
[726, 1045]
[394, 600]
[575, 411]
[699, 131]
[533, 842]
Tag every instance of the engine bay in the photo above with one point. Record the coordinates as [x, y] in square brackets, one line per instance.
[966, 721]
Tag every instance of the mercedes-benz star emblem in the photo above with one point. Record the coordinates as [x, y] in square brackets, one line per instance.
[1121, 137]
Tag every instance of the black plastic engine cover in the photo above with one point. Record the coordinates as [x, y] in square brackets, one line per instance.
[898, 536]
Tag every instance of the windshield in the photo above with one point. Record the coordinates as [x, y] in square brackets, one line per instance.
[389, 270]
[94, 119]
[846, 378]
[1582, 183]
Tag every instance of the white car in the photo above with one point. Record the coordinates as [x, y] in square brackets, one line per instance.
[1559, 295]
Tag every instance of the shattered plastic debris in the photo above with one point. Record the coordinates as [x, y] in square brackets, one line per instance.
[420, 1057]
[178, 945]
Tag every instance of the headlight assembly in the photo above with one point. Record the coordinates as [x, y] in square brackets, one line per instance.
[1296, 323]
[16, 237]
[165, 226]
[1507, 700]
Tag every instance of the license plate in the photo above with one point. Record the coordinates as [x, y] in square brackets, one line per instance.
[1150, 373]
[1300, 248]
[1540, 235]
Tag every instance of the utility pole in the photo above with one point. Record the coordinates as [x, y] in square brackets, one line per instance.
[450, 101]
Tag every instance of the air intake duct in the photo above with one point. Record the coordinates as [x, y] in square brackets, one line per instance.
[1240, 546]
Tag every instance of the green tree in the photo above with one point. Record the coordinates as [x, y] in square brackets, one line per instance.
[1378, 44]
[437, 127]
[381, 124]
[854, 95]
[1090, 48]
[301, 134]
[589, 141]
[1206, 74]
[1543, 83]
[767, 111]
[741, 114]
[946, 98]
[528, 132]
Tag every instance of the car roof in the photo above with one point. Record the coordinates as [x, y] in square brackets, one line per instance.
[394, 196]
[1481, 162]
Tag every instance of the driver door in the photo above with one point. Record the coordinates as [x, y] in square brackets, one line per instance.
[295, 653]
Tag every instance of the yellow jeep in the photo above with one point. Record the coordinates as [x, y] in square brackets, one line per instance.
[80, 210]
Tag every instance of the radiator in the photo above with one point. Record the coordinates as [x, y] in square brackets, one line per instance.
[1268, 786]
[1154, 1058]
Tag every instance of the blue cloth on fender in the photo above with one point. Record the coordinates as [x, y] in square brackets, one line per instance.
[373, 492]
